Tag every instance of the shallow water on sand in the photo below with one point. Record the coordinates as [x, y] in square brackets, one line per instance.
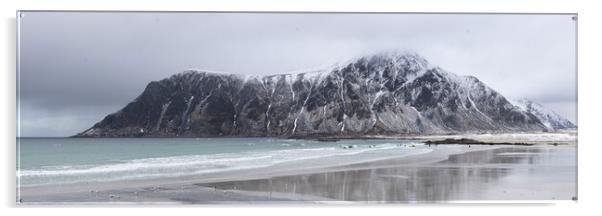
[59, 161]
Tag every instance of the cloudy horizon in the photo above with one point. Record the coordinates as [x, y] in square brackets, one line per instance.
[78, 67]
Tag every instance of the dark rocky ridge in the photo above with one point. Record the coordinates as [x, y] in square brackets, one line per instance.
[384, 94]
[466, 141]
[550, 119]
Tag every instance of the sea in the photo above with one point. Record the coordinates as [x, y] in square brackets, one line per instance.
[60, 161]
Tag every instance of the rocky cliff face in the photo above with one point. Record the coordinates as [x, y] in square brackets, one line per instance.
[389, 93]
[548, 118]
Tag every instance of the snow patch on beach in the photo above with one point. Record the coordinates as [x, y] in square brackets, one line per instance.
[569, 137]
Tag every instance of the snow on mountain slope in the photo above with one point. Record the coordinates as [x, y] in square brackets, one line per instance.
[387, 93]
[549, 118]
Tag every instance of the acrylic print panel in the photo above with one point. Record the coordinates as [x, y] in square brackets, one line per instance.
[198, 107]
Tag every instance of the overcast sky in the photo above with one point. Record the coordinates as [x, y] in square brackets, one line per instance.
[78, 67]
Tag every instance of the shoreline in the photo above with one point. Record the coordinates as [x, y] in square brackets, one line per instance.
[561, 137]
[166, 189]
[345, 136]
[272, 171]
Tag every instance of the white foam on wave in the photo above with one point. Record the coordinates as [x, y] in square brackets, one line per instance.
[192, 164]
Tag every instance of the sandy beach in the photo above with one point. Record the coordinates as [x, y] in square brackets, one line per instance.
[449, 173]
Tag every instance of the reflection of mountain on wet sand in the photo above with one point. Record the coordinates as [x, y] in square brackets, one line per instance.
[517, 173]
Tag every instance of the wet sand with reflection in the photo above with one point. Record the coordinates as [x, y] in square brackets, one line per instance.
[507, 173]
[489, 174]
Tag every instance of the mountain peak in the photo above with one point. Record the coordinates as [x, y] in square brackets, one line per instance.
[394, 56]
[390, 92]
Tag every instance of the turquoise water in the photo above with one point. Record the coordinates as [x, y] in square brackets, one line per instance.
[47, 161]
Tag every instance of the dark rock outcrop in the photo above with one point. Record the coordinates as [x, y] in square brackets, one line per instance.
[465, 141]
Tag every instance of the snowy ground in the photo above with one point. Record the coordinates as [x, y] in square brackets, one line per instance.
[560, 137]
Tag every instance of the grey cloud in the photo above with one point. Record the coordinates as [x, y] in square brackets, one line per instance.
[94, 63]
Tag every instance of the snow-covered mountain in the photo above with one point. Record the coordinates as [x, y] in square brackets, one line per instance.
[388, 93]
[549, 118]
